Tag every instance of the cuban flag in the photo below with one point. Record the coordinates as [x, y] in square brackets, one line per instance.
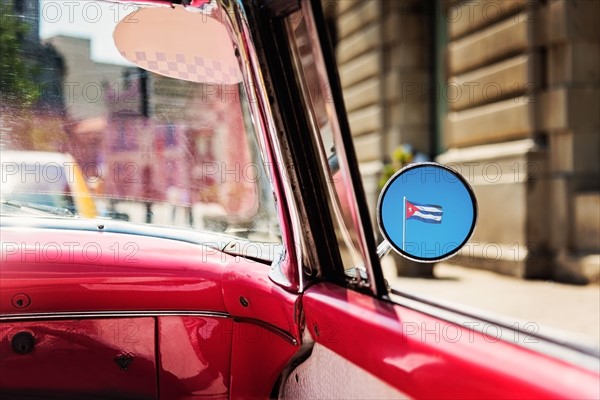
[424, 212]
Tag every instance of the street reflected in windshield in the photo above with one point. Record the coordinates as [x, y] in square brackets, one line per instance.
[145, 147]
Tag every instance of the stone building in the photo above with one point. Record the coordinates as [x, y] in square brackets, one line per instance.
[505, 91]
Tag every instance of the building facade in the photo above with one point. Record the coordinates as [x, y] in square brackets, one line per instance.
[506, 92]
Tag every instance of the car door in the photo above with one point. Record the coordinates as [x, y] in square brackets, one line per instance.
[363, 340]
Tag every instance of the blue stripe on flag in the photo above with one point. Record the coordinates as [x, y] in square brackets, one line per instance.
[425, 205]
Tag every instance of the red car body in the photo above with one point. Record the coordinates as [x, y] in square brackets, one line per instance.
[94, 309]
[221, 328]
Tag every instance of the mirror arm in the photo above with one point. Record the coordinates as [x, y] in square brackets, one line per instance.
[334, 164]
[383, 249]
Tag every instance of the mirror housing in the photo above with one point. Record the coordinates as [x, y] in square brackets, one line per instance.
[427, 212]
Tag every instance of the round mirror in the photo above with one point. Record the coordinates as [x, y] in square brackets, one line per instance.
[427, 212]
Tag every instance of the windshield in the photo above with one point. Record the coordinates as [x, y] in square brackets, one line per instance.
[106, 127]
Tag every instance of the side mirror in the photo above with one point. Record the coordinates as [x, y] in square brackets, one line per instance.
[427, 212]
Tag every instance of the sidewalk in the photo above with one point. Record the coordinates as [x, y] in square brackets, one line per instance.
[569, 308]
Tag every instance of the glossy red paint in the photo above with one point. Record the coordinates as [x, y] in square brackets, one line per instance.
[70, 271]
[266, 330]
[76, 271]
[195, 354]
[264, 301]
[426, 357]
[77, 357]
[258, 357]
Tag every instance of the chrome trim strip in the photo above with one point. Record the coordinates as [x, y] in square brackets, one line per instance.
[266, 131]
[109, 314]
[343, 139]
[265, 325]
[139, 314]
[577, 354]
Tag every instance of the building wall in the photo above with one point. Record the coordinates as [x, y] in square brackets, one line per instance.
[86, 82]
[494, 79]
[383, 62]
[513, 106]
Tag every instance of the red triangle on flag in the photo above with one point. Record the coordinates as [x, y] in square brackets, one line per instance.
[410, 209]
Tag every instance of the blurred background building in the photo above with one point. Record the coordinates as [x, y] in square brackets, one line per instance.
[136, 134]
[507, 92]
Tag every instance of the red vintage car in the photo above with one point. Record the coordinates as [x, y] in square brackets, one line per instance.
[248, 267]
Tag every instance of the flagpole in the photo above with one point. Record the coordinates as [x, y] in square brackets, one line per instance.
[403, 222]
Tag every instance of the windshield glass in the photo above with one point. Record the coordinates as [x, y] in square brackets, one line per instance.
[108, 127]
